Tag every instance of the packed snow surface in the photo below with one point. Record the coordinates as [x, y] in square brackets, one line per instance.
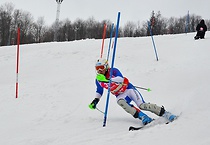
[57, 83]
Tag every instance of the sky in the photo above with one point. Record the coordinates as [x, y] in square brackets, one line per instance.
[57, 83]
[131, 10]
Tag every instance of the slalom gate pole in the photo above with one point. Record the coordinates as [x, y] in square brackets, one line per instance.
[104, 35]
[110, 41]
[17, 65]
[153, 42]
[187, 22]
[111, 71]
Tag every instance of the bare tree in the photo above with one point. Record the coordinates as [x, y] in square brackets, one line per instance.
[158, 23]
[6, 11]
[129, 29]
[207, 24]
[32, 31]
[79, 28]
[49, 34]
[91, 26]
[39, 29]
[67, 32]
[26, 26]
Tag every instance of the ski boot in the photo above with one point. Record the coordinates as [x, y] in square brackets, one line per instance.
[169, 116]
[145, 119]
[196, 37]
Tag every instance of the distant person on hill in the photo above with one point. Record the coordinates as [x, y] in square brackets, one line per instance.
[201, 30]
[125, 93]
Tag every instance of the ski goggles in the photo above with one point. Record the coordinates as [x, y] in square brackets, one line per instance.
[100, 68]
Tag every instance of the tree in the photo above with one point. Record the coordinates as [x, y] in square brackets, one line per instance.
[39, 29]
[129, 29]
[207, 24]
[67, 31]
[158, 24]
[79, 28]
[31, 31]
[49, 34]
[91, 26]
[5, 23]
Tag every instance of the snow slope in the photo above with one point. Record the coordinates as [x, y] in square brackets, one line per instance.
[56, 84]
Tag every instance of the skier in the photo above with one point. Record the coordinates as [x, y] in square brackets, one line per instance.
[125, 92]
[201, 30]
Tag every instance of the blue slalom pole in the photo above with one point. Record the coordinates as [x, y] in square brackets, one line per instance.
[111, 71]
[110, 41]
[187, 22]
[152, 39]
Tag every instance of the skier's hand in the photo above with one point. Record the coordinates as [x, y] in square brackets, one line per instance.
[93, 104]
[101, 78]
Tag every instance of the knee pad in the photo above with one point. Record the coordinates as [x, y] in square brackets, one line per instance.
[153, 108]
[127, 107]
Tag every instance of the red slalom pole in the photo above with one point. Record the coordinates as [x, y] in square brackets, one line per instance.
[104, 35]
[17, 67]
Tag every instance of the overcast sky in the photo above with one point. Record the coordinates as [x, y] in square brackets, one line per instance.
[131, 10]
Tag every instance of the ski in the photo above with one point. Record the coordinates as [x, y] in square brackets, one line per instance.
[132, 128]
[158, 121]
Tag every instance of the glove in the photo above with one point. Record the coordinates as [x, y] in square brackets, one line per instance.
[101, 78]
[94, 103]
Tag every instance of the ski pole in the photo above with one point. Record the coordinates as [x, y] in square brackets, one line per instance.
[148, 89]
[99, 110]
